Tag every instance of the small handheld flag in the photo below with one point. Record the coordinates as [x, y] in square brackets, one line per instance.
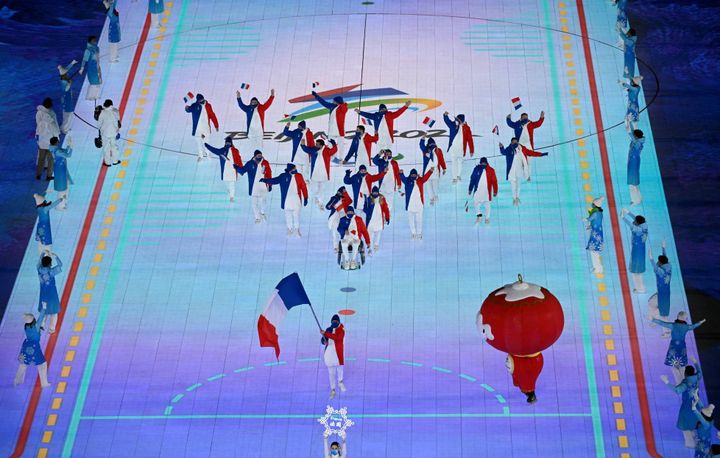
[428, 121]
[289, 118]
[466, 205]
[364, 121]
[516, 103]
[495, 130]
[245, 86]
[188, 97]
[315, 84]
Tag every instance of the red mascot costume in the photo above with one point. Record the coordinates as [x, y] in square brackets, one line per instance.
[521, 319]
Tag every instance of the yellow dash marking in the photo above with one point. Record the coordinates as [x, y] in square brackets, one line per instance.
[147, 81]
[607, 329]
[620, 424]
[566, 38]
[150, 72]
[111, 208]
[101, 246]
[107, 220]
[572, 82]
[154, 55]
[563, 20]
[98, 257]
[139, 111]
[570, 64]
[561, 5]
[52, 419]
[612, 360]
[124, 163]
[566, 45]
[575, 101]
[587, 187]
[164, 20]
[56, 403]
[605, 315]
[42, 453]
[585, 176]
[579, 132]
[115, 196]
[121, 174]
[141, 101]
[609, 344]
[90, 284]
[578, 122]
[563, 13]
[623, 441]
[105, 232]
[588, 198]
[47, 437]
[576, 111]
[601, 287]
[169, 4]
[573, 91]
[152, 63]
[568, 55]
[118, 185]
[65, 372]
[87, 297]
[70, 355]
[78, 327]
[618, 407]
[128, 153]
[624, 455]
[74, 341]
[136, 121]
[614, 377]
[615, 389]
[82, 312]
[582, 142]
[584, 164]
[61, 386]
[603, 300]
[157, 46]
[582, 153]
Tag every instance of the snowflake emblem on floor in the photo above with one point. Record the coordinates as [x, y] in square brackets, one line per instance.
[335, 421]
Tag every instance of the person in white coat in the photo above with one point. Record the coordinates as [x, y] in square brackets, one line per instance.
[255, 116]
[377, 215]
[334, 354]
[46, 128]
[483, 187]
[257, 169]
[293, 196]
[230, 163]
[203, 120]
[109, 126]
[517, 167]
[414, 200]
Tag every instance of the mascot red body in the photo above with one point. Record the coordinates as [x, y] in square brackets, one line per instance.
[521, 319]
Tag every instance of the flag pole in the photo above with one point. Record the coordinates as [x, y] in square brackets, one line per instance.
[316, 318]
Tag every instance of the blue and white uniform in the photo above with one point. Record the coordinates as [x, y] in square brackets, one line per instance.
[62, 176]
[663, 275]
[91, 63]
[43, 232]
[633, 168]
[639, 235]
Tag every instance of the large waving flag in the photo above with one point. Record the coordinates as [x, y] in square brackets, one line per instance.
[288, 294]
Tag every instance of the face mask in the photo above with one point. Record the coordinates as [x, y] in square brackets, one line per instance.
[375, 196]
[335, 324]
[258, 159]
[334, 452]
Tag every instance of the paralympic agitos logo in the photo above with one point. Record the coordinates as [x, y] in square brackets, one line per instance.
[355, 98]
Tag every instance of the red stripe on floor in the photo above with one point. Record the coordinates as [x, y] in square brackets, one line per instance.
[615, 223]
[79, 250]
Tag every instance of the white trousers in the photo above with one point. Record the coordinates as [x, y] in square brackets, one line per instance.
[639, 283]
[457, 165]
[515, 185]
[66, 122]
[200, 141]
[433, 188]
[50, 322]
[375, 237]
[258, 206]
[42, 373]
[635, 196]
[63, 205]
[111, 151]
[340, 141]
[155, 20]
[349, 256]
[292, 218]
[596, 262]
[316, 189]
[113, 52]
[230, 186]
[93, 92]
[335, 373]
[478, 208]
[255, 142]
[416, 222]
[333, 223]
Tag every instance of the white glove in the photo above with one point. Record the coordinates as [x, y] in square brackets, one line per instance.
[664, 379]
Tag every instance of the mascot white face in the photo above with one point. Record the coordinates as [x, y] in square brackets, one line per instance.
[484, 329]
[510, 364]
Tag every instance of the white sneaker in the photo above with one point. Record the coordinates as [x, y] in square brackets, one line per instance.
[290, 232]
[477, 220]
[376, 247]
[342, 386]
[258, 221]
[353, 265]
[332, 394]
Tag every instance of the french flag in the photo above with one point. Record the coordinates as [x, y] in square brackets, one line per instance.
[516, 103]
[428, 121]
[287, 294]
[245, 86]
[495, 130]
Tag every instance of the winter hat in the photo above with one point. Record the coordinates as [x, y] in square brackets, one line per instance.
[362, 167]
[302, 125]
[257, 151]
[413, 171]
[28, 318]
[339, 100]
[431, 143]
[289, 166]
[375, 189]
[598, 201]
[336, 317]
[39, 199]
[341, 189]
[228, 139]
[349, 209]
[381, 106]
[199, 97]
[707, 410]
[483, 160]
[460, 117]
